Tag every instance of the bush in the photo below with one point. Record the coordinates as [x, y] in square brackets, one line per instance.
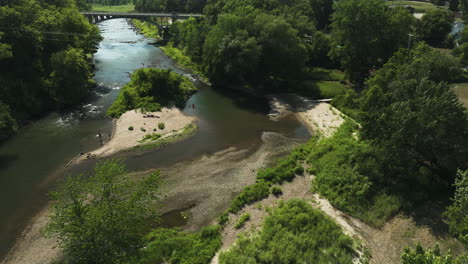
[130, 128]
[347, 171]
[293, 233]
[149, 89]
[161, 126]
[276, 191]
[249, 195]
[172, 246]
[223, 219]
[150, 137]
[240, 223]
[142, 129]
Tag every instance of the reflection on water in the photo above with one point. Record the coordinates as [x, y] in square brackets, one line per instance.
[32, 161]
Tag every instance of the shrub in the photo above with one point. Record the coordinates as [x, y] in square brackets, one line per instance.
[295, 232]
[222, 219]
[130, 128]
[161, 126]
[276, 191]
[149, 89]
[173, 246]
[240, 223]
[249, 195]
[150, 137]
[142, 129]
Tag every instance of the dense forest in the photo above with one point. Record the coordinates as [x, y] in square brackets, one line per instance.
[43, 59]
[404, 141]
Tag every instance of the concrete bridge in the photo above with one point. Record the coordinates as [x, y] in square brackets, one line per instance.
[162, 21]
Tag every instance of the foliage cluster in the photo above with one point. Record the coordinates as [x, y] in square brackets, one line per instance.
[411, 112]
[172, 246]
[150, 137]
[457, 213]
[349, 174]
[293, 233]
[242, 219]
[434, 26]
[146, 28]
[103, 218]
[250, 194]
[431, 256]
[149, 89]
[189, 6]
[41, 70]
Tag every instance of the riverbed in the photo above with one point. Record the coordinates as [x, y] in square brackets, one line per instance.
[34, 160]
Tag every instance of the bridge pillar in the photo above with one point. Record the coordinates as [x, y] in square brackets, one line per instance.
[90, 19]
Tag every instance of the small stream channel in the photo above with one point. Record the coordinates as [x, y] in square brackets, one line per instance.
[32, 161]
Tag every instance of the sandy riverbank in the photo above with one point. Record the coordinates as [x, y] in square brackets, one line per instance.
[124, 138]
[316, 115]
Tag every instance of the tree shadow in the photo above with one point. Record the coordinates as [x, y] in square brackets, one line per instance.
[7, 160]
[430, 214]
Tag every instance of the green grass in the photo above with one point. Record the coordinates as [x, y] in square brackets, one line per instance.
[173, 246]
[321, 89]
[183, 60]
[147, 29]
[117, 8]
[241, 222]
[184, 133]
[295, 232]
[461, 90]
[150, 137]
[322, 74]
[420, 7]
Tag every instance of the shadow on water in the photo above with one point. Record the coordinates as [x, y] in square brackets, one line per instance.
[7, 160]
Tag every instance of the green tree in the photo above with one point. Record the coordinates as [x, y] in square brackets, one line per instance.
[70, 75]
[7, 123]
[454, 5]
[413, 114]
[103, 218]
[366, 33]
[435, 25]
[323, 10]
[246, 48]
[457, 213]
[431, 256]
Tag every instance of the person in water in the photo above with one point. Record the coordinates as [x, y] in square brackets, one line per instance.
[193, 106]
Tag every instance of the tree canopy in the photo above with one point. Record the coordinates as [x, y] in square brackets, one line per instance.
[412, 113]
[366, 33]
[43, 47]
[435, 25]
[103, 218]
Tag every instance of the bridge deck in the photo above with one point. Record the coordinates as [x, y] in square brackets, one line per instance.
[145, 15]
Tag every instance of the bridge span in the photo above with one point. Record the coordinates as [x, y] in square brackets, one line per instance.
[162, 21]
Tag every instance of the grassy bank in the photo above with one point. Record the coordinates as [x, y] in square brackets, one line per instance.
[114, 8]
[184, 61]
[156, 141]
[147, 29]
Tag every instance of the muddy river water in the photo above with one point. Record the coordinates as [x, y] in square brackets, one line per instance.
[34, 160]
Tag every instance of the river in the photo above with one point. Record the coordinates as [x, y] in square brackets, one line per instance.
[32, 161]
